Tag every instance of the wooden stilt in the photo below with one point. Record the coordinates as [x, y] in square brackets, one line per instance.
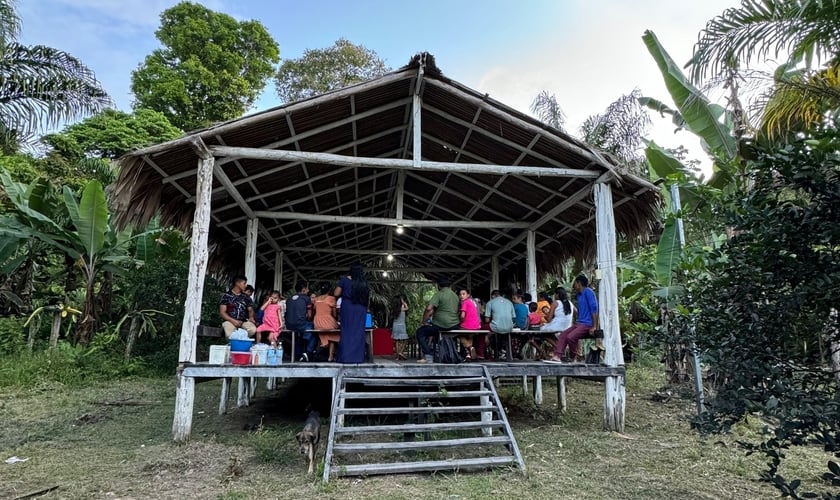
[561, 393]
[185, 393]
[225, 395]
[608, 306]
[538, 390]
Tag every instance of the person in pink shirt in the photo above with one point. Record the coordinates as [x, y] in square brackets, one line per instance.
[469, 321]
[272, 317]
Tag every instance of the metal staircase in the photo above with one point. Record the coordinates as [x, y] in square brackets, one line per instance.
[434, 419]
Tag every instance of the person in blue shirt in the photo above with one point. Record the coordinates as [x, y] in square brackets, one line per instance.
[521, 311]
[587, 322]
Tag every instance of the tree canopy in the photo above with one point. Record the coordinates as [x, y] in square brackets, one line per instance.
[39, 86]
[112, 133]
[321, 70]
[211, 67]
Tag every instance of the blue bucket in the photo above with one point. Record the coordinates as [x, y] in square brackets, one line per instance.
[241, 345]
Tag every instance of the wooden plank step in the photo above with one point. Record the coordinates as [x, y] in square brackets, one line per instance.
[416, 409]
[401, 428]
[413, 395]
[424, 466]
[385, 382]
[417, 445]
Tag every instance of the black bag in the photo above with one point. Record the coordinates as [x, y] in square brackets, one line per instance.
[447, 351]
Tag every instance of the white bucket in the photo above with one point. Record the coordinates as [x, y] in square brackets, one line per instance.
[219, 354]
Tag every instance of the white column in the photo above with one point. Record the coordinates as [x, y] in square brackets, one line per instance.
[494, 273]
[278, 271]
[608, 306]
[531, 265]
[251, 250]
[416, 113]
[185, 391]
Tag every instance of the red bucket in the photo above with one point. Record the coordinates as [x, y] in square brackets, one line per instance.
[382, 343]
[240, 358]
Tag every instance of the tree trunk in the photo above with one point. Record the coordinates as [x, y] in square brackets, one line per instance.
[132, 336]
[56, 329]
[26, 273]
[71, 281]
[834, 344]
[88, 324]
[106, 294]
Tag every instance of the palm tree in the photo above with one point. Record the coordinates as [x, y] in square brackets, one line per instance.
[804, 30]
[39, 86]
[548, 111]
[619, 130]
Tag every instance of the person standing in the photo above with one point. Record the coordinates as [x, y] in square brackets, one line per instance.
[299, 319]
[237, 309]
[272, 318]
[355, 294]
[586, 324]
[500, 314]
[440, 315]
[399, 334]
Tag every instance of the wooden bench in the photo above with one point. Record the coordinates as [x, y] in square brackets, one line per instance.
[516, 331]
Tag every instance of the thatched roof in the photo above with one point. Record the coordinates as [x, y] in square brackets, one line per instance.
[373, 119]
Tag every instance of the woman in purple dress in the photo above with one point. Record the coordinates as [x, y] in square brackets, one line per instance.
[355, 294]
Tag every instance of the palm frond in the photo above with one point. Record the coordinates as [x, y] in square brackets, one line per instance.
[547, 110]
[619, 129]
[41, 87]
[9, 23]
[798, 100]
[759, 29]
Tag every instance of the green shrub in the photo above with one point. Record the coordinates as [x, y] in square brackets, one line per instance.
[12, 336]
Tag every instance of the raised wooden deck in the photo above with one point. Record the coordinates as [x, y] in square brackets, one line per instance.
[388, 368]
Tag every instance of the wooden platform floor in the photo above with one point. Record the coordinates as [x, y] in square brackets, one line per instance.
[387, 367]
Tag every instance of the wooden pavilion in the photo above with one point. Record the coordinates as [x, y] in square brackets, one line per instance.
[411, 164]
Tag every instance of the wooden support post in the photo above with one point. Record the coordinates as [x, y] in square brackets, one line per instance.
[243, 396]
[225, 395]
[608, 306]
[278, 271]
[400, 194]
[486, 416]
[494, 272]
[538, 390]
[185, 392]
[561, 393]
[531, 264]
[416, 113]
[56, 329]
[251, 250]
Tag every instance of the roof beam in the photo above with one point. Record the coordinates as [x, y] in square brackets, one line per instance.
[329, 126]
[390, 269]
[388, 221]
[395, 253]
[397, 163]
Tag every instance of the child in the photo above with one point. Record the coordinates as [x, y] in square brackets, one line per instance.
[272, 318]
[398, 332]
[534, 317]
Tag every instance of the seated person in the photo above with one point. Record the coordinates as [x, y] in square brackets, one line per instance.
[440, 315]
[534, 317]
[299, 319]
[500, 314]
[520, 310]
[544, 306]
[469, 321]
[236, 308]
[326, 318]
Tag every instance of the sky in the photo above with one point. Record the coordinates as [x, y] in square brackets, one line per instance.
[586, 52]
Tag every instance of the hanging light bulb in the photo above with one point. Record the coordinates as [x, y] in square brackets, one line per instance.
[384, 274]
[390, 257]
[399, 229]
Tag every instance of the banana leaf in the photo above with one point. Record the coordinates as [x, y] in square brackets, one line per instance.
[92, 219]
[701, 117]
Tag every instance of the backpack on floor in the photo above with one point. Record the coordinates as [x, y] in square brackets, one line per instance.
[447, 351]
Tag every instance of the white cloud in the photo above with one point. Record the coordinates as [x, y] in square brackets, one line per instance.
[592, 60]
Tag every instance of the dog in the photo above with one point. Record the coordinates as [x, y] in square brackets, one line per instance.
[309, 438]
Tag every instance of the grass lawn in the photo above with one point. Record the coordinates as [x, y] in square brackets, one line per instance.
[79, 440]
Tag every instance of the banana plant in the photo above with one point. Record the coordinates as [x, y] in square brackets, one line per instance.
[88, 237]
